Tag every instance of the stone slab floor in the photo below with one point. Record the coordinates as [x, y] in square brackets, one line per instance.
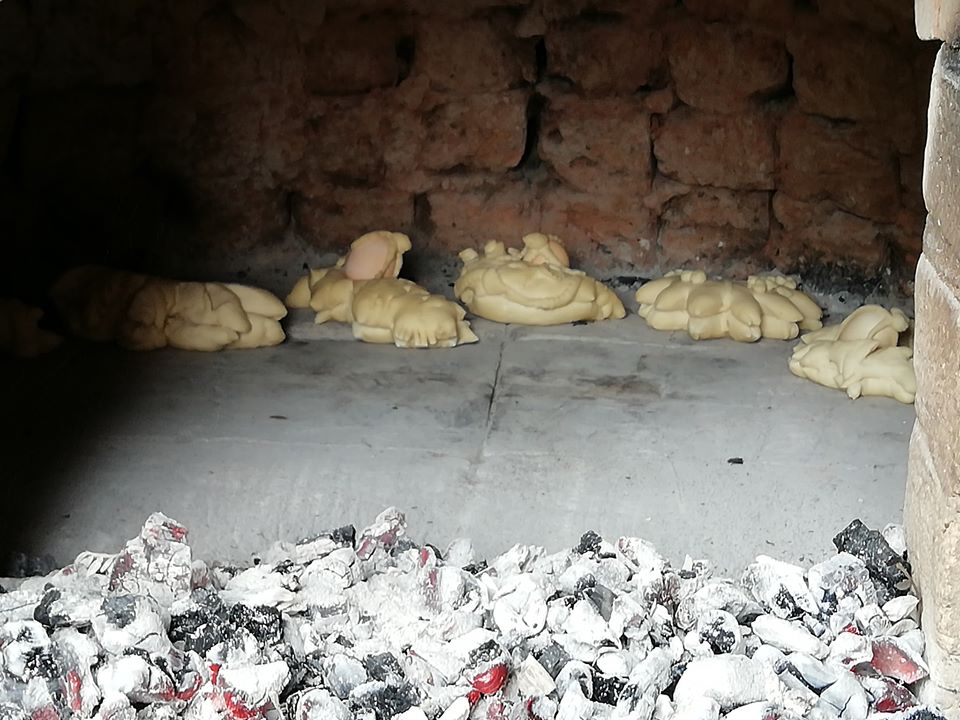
[532, 435]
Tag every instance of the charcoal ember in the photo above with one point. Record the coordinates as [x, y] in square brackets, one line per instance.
[316, 704]
[798, 698]
[779, 587]
[533, 679]
[893, 658]
[629, 618]
[896, 538]
[662, 629]
[158, 563]
[716, 594]
[771, 657]
[842, 581]
[384, 667]
[136, 677]
[417, 713]
[553, 658]
[78, 654]
[384, 700]
[872, 621]
[265, 623]
[263, 585]
[761, 710]
[343, 674]
[26, 650]
[460, 553]
[313, 547]
[574, 705]
[114, 707]
[459, 709]
[378, 539]
[645, 562]
[602, 599]
[520, 609]
[720, 630]
[814, 673]
[589, 543]
[698, 708]
[851, 649]
[890, 569]
[575, 673]
[788, 636]
[887, 695]
[539, 708]
[901, 608]
[606, 690]
[847, 697]
[203, 626]
[731, 680]
[647, 681]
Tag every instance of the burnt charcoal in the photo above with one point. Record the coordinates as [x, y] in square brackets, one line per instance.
[922, 713]
[346, 535]
[553, 658]
[120, 610]
[383, 667]
[42, 612]
[264, 623]
[436, 550]
[204, 627]
[401, 546]
[476, 568]
[719, 637]
[486, 653]
[602, 599]
[40, 662]
[584, 583]
[886, 567]
[589, 543]
[389, 701]
[607, 690]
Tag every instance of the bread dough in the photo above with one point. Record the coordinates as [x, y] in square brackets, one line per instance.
[374, 255]
[141, 312]
[396, 311]
[20, 332]
[764, 306]
[532, 286]
[860, 355]
[363, 289]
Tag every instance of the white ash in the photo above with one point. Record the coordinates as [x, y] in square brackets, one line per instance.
[373, 626]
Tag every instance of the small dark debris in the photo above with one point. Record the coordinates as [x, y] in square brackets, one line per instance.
[279, 417]
[735, 461]
[589, 543]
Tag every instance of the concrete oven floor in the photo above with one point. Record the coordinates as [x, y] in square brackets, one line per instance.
[532, 435]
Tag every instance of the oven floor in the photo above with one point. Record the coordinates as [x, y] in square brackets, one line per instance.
[533, 435]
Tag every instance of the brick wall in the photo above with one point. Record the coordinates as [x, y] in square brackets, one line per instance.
[251, 134]
[932, 509]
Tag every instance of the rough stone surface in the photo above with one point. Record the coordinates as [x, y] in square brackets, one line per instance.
[812, 233]
[851, 165]
[598, 145]
[473, 56]
[606, 57]
[734, 151]
[774, 13]
[839, 72]
[468, 219]
[941, 178]
[349, 56]
[720, 67]
[335, 216]
[937, 19]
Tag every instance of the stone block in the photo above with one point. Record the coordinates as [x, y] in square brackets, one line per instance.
[721, 67]
[941, 253]
[937, 362]
[821, 233]
[506, 211]
[477, 132]
[937, 19]
[330, 217]
[941, 172]
[352, 55]
[852, 165]
[603, 232]
[721, 150]
[472, 56]
[597, 145]
[770, 13]
[606, 58]
[840, 72]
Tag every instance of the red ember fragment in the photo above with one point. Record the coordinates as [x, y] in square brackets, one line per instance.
[489, 681]
[895, 698]
[890, 660]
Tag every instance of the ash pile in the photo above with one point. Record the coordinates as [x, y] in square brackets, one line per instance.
[373, 626]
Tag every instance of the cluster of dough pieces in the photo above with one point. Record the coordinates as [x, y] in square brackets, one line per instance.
[532, 285]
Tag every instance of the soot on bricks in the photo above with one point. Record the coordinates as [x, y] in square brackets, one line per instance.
[376, 626]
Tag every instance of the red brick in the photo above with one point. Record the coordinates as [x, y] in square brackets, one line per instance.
[771, 13]
[840, 72]
[821, 233]
[721, 67]
[602, 232]
[352, 55]
[468, 219]
[235, 216]
[597, 145]
[333, 216]
[714, 249]
[732, 151]
[851, 165]
[552, 11]
[478, 132]
[472, 56]
[606, 57]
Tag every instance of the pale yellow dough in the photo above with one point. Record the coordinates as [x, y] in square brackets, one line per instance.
[20, 333]
[363, 289]
[860, 355]
[141, 312]
[764, 306]
[532, 286]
